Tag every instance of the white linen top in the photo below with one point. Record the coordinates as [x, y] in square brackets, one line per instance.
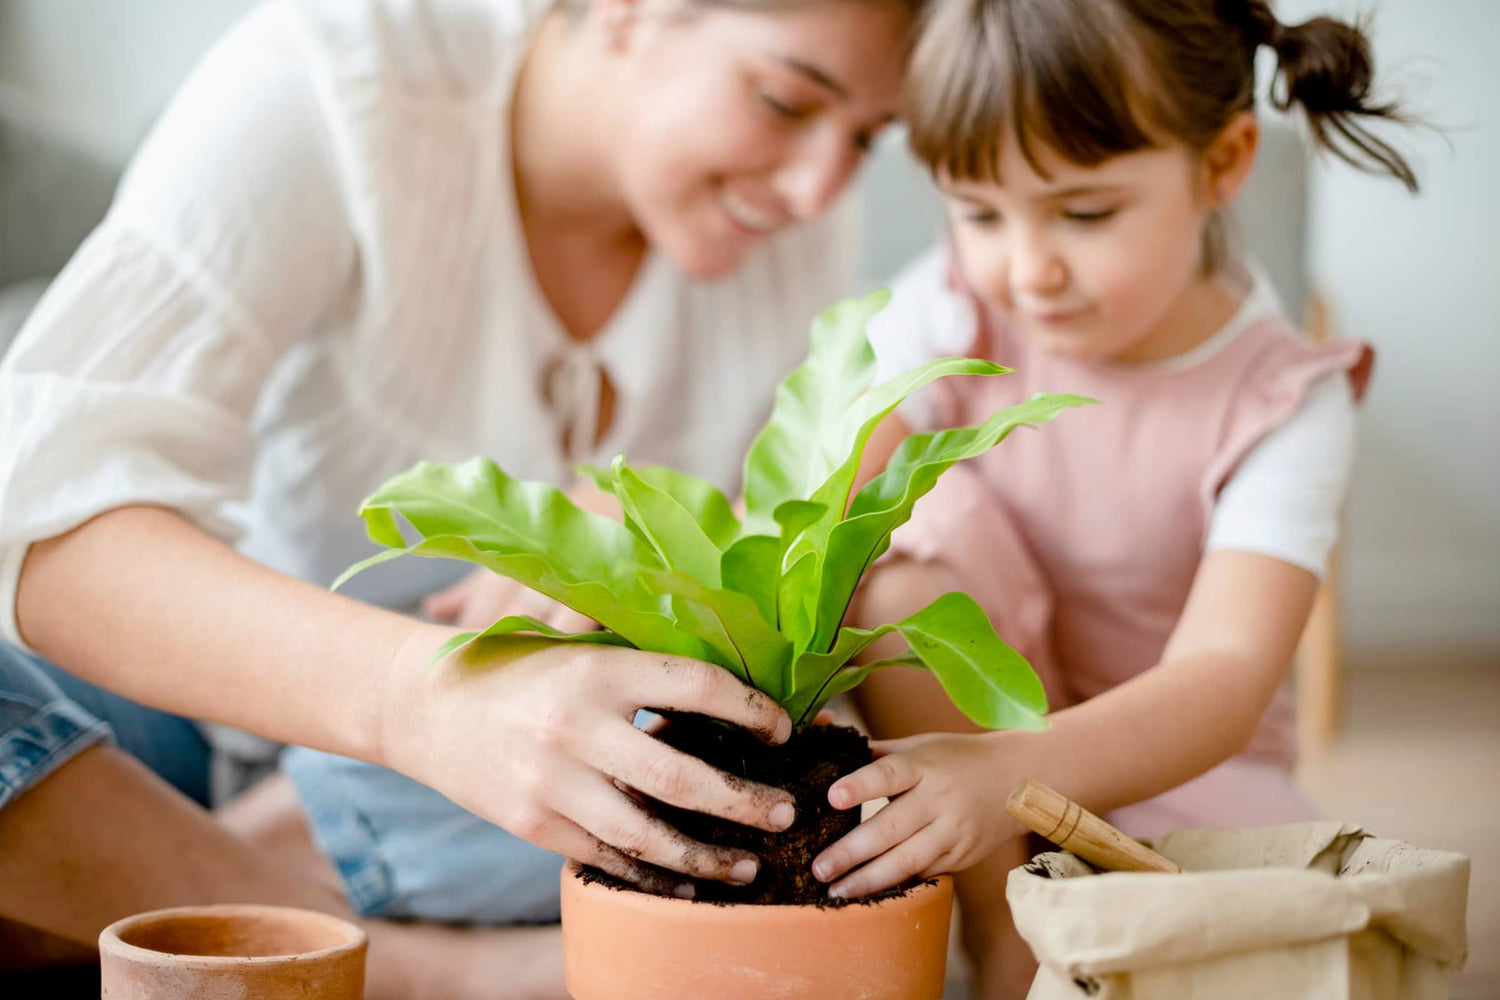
[1284, 499]
[313, 276]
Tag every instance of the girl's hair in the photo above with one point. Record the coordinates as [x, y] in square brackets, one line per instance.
[914, 6]
[1091, 79]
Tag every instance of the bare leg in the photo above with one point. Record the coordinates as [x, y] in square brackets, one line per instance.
[103, 837]
[411, 961]
[905, 701]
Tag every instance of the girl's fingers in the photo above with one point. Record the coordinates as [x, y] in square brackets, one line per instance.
[650, 766]
[628, 827]
[907, 859]
[885, 778]
[888, 828]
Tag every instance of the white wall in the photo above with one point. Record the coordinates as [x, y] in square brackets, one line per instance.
[1418, 277]
[106, 67]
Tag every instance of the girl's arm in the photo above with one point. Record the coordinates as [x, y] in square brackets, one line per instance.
[529, 734]
[1197, 708]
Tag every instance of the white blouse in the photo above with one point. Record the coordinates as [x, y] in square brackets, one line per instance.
[313, 276]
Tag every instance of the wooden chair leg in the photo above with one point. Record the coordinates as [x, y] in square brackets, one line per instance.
[1320, 670]
[1320, 656]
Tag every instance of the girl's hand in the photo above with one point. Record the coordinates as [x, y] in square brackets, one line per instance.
[947, 811]
[537, 737]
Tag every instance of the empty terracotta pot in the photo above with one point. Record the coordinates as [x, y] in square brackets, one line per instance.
[623, 945]
[232, 953]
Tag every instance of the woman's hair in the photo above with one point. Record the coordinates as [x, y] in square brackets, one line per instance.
[1092, 79]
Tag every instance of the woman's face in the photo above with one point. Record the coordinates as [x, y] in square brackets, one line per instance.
[735, 124]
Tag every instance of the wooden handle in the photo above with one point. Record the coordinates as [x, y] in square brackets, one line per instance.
[1078, 831]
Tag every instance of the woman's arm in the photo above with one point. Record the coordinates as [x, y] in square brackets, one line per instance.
[531, 735]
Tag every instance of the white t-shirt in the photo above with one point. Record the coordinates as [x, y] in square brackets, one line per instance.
[1285, 498]
[313, 276]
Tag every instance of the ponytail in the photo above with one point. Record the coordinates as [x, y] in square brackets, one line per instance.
[1325, 66]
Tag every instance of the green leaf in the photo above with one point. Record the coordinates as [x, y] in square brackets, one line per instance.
[812, 672]
[864, 417]
[701, 498]
[885, 502]
[667, 525]
[752, 566]
[525, 624]
[532, 533]
[987, 680]
[755, 649]
[852, 676]
[795, 593]
[787, 460]
[646, 629]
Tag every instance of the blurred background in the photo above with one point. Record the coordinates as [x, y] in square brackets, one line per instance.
[1404, 737]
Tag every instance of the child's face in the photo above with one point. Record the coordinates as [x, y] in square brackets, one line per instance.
[1093, 263]
[742, 123]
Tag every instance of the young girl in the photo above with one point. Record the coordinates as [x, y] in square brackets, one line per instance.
[1156, 557]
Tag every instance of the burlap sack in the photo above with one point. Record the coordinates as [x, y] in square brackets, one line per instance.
[1312, 910]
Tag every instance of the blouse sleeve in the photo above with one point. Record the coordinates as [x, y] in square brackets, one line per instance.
[134, 380]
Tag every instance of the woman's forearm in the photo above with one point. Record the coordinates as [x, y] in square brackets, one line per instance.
[143, 603]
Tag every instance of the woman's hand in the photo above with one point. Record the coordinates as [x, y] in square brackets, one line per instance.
[537, 737]
[947, 812]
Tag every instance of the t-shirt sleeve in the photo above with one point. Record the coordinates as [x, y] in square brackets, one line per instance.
[135, 379]
[1286, 497]
[924, 320]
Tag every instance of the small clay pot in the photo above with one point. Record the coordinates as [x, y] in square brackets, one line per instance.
[231, 953]
[625, 945]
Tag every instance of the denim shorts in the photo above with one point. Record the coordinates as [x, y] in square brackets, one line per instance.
[405, 851]
[48, 717]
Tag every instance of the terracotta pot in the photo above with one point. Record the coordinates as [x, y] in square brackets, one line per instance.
[623, 945]
[231, 953]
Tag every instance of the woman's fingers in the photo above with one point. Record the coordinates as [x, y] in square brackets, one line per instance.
[912, 857]
[686, 685]
[884, 778]
[568, 838]
[889, 827]
[628, 827]
[650, 766]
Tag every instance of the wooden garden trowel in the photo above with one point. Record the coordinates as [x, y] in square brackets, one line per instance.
[1057, 818]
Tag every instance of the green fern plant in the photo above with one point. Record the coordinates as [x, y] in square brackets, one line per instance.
[765, 597]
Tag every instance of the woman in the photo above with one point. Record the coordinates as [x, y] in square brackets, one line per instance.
[366, 234]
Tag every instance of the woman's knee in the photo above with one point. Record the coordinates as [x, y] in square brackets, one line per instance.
[41, 729]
